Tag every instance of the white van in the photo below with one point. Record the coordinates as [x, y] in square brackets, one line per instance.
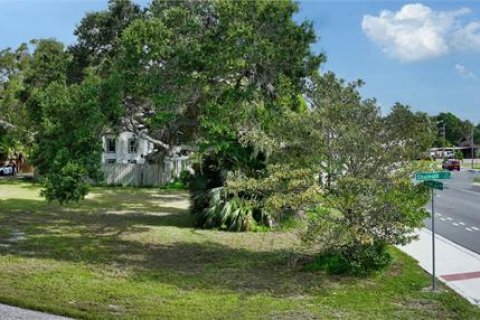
[449, 154]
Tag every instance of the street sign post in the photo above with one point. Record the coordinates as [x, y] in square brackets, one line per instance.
[428, 179]
[433, 240]
[434, 175]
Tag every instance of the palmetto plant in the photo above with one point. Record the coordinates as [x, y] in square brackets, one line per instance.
[224, 210]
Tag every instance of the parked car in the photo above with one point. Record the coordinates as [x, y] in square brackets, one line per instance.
[7, 170]
[451, 164]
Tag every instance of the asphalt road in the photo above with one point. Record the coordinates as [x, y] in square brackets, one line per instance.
[457, 211]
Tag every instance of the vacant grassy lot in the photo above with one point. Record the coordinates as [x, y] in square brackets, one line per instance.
[132, 254]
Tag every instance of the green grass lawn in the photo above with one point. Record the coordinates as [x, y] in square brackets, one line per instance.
[132, 254]
[467, 164]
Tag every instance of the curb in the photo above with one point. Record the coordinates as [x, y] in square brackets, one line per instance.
[452, 244]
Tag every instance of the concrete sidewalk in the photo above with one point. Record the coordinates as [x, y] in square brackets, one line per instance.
[456, 266]
[14, 313]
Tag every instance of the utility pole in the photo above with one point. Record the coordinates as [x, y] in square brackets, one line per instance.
[472, 153]
[444, 139]
[442, 132]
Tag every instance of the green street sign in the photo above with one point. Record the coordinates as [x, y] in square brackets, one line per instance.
[434, 184]
[436, 175]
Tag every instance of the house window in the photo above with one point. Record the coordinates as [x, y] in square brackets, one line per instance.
[132, 146]
[111, 161]
[110, 145]
[132, 161]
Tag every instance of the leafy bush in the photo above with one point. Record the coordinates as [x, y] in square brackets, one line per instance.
[175, 184]
[360, 260]
[67, 184]
[360, 219]
[185, 177]
[458, 155]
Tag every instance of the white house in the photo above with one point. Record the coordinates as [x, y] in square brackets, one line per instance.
[125, 148]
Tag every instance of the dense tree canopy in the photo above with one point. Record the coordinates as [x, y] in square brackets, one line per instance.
[13, 66]
[97, 38]
[218, 66]
[456, 130]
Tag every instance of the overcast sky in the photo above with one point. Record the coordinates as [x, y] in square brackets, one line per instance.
[425, 54]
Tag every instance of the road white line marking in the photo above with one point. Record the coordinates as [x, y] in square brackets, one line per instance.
[472, 192]
[443, 219]
[462, 223]
[438, 215]
[455, 224]
[468, 229]
[475, 228]
[450, 219]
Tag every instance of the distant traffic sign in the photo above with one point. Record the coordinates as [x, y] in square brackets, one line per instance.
[434, 184]
[436, 175]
